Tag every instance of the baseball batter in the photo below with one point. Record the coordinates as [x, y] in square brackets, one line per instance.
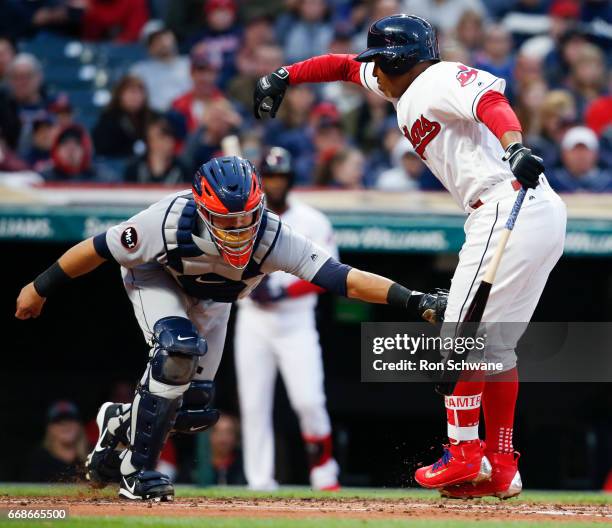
[276, 331]
[460, 123]
[183, 261]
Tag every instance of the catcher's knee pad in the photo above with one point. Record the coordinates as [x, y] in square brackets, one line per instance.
[195, 414]
[178, 348]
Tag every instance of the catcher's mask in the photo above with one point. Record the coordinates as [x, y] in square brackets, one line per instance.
[231, 203]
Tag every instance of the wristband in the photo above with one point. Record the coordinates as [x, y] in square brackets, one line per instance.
[51, 280]
[404, 298]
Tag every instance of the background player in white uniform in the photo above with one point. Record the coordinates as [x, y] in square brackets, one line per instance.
[276, 331]
[461, 125]
[183, 260]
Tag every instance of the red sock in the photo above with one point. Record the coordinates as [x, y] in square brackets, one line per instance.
[318, 449]
[498, 404]
[463, 408]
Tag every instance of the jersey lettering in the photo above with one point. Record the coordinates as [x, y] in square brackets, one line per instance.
[422, 132]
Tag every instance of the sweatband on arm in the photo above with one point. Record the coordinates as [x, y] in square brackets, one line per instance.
[51, 280]
[101, 246]
[402, 297]
[332, 277]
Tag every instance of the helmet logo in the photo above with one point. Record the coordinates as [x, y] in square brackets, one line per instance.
[466, 75]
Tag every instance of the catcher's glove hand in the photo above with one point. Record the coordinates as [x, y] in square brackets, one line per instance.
[271, 87]
[524, 165]
[433, 305]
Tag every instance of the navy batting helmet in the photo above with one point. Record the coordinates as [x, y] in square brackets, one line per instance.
[398, 42]
[277, 160]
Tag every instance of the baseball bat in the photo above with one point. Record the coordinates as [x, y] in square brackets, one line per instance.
[481, 297]
[230, 145]
[474, 313]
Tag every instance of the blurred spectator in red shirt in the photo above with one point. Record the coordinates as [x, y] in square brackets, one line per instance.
[165, 73]
[580, 170]
[204, 75]
[120, 130]
[118, 20]
[598, 115]
[159, 163]
[71, 155]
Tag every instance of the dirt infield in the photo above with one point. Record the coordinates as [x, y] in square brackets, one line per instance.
[320, 508]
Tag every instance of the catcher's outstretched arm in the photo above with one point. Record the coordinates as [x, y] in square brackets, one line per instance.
[78, 260]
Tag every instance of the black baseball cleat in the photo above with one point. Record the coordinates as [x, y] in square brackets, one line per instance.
[102, 464]
[146, 485]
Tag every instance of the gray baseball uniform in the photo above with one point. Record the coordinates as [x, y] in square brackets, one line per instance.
[171, 267]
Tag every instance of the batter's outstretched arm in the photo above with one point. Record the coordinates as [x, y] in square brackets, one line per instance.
[77, 261]
[270, 89]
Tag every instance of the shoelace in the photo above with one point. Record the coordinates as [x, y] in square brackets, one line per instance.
[446, 457]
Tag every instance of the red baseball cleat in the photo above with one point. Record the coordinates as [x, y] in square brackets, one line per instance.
[505, 480]
[463, 462]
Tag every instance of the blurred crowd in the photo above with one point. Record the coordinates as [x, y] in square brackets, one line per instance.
[67, 439]
[143, 91]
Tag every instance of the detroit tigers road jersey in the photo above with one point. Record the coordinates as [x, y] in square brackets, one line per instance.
[437, 114]
[170, 235]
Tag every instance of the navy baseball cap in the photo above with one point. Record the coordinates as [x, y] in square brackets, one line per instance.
[63, 410]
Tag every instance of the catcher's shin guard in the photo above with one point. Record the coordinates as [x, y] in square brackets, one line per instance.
[178, 348]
